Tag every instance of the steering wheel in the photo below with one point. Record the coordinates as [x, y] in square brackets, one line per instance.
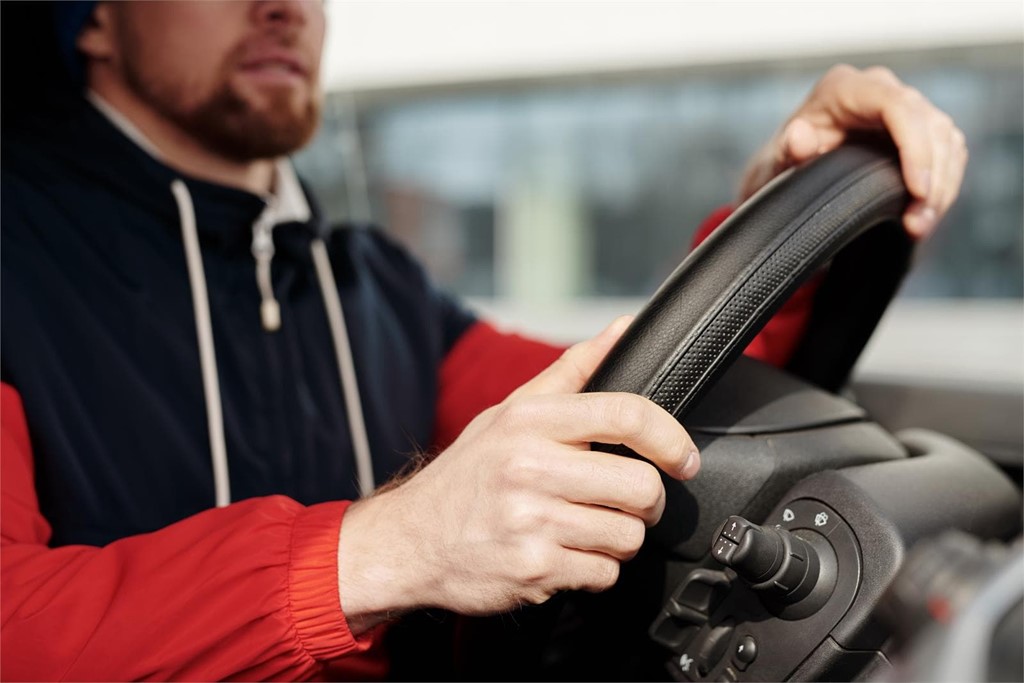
[725, 291]
[778, 448]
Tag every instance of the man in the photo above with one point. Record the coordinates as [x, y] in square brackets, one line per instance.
[179, 331]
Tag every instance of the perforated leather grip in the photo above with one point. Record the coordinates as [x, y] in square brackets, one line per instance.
[716, 301]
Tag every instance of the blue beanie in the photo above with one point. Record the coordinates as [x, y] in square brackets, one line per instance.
[69, 16]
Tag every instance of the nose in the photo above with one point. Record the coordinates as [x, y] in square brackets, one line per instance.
[286, 12]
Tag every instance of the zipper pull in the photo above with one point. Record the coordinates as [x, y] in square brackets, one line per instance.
[263, 252]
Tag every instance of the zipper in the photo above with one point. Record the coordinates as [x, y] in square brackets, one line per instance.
[263, 252]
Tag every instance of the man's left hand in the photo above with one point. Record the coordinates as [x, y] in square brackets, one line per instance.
[933, 151]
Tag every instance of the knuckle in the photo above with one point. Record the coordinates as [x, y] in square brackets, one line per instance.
[488, 417]
[647, 489]
[522, 517]
[569, 361]
[910, 98]
[839, 72]
[632, 535]
[523, 470]
[536, 564]
[535, 596]
[630, 416]
[882, 73]
[959, 139]
[515, 416]
[940, 124]
[898, 108]
[504, 415]
[606, 574]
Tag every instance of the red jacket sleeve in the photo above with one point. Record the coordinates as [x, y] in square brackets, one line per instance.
[248, 591]
[482, 368]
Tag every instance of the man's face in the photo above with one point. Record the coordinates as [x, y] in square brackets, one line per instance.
[241, 77]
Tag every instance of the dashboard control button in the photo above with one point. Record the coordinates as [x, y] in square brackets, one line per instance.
[724, 550]
[685, 663]
[727, 676]
[689, 607]
[711, 649]
[806, 514]
[746, 652]
[702, 590]
[673, 634]
[735, 528]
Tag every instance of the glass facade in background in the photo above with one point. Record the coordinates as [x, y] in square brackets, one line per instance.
[544, 191]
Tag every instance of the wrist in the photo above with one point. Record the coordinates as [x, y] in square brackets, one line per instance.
[386, 566]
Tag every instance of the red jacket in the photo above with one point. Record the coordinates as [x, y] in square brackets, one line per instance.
[248, 591]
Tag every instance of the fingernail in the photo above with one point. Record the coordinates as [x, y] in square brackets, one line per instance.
[788, 133]
[789, 138]
[691, 465]
[923, 219]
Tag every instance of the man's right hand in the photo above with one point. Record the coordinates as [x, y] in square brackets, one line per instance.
[518, 507]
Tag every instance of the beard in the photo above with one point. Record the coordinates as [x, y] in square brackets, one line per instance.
[226, 122]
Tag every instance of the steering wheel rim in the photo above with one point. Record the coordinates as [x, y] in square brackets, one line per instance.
[849, 203]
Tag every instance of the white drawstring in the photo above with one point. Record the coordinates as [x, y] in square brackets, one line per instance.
[346, 367]
[208, 358]
[263, 252]
[204, 332]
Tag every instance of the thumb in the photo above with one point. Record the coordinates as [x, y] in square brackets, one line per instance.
[570, 373]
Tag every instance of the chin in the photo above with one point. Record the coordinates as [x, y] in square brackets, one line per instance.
[246, 128]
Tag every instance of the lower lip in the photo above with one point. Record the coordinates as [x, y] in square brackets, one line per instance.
[273, 76]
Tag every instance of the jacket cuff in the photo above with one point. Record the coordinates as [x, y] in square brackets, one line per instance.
[313, 584]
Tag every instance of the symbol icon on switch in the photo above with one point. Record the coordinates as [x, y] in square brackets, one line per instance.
[684, 662]
[787, 515]
[821, 519]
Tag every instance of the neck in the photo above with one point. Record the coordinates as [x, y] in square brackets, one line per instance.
[178, 149]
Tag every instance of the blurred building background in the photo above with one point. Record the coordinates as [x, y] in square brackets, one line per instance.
[550, 160]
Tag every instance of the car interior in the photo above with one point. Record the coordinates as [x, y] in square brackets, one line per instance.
[833, 533]
[816, 544]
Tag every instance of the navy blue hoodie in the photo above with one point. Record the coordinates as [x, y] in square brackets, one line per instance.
[99, 338]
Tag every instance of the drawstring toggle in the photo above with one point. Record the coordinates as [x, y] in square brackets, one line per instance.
[263, 252]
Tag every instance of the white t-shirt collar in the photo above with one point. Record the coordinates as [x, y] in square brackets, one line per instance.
[286, 203]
